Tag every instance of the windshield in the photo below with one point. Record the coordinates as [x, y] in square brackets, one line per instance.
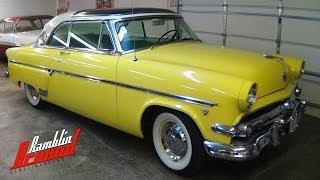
[143, 33]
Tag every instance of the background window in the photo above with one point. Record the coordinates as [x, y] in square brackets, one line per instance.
[60, 37]
[38, 23]
[25, 25]
[8, 27]
[85, 35]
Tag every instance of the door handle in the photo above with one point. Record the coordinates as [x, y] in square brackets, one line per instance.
[64, 52]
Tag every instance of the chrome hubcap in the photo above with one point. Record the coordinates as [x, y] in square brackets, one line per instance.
[173, 140]
[33, 92]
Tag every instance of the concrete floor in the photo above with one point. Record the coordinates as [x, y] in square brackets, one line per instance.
[105, 153]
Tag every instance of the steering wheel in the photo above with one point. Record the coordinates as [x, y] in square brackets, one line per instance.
[174, 35]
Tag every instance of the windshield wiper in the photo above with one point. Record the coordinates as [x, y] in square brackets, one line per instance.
[187, 39]
[159, 44]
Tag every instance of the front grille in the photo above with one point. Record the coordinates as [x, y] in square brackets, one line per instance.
[247, 140]
[255, 115]
[261, 122]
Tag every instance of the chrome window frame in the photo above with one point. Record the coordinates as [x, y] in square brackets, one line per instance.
[88, 50]
[113, 51]
[110, 22]
[45, 45]
[84, 22]
[126, 18]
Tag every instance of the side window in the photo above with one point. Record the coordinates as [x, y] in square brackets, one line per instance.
[128, 32]
[38, 23]
[85, 35]
[60, 37]
[8, 27]
[24, 25]
[106, 43]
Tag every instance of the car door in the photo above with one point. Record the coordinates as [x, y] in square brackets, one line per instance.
[85, 77]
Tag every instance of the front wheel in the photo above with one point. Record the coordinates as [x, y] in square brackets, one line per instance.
[33, 96]
[178, 143]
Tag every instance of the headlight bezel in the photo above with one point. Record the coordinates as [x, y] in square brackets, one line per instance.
[248, 95]
[302, 69]
[252, 96]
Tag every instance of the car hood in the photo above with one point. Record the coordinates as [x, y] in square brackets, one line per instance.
[249, 65]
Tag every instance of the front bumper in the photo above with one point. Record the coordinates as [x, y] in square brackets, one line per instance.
[283, 120]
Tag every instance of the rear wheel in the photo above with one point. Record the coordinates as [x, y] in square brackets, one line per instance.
[177, 142]
[33, 96]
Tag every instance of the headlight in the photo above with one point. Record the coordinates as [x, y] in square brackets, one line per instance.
[247, 95]
[252, 96]
[299, 71]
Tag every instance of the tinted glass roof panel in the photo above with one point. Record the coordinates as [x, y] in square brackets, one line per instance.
[121, 11]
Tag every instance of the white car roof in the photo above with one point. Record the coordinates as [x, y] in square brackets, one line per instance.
[105, 14]
[49, 27]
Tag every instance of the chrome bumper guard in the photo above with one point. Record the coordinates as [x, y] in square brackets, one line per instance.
[282, 125]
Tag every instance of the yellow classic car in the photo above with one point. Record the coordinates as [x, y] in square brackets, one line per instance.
[145, 72]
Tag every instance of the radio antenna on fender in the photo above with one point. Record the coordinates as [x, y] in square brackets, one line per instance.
[134, 39]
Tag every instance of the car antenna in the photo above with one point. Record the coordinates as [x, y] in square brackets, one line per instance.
[134, 39]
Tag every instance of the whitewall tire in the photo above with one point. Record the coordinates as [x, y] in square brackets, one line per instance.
[33, 96]
[177, 143]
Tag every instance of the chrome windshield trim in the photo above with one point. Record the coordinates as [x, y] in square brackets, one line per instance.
[124, 85]
[117, 40]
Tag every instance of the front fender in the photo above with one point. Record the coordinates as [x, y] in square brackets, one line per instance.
[203, 121]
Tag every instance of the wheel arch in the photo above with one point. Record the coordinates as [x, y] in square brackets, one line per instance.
[152, 110]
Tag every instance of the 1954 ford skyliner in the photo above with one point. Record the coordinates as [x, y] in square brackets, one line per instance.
[146, 73]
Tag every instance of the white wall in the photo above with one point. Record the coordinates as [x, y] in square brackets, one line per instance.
[87, 4]
[27, 7]
[142, 3]
[76, 5]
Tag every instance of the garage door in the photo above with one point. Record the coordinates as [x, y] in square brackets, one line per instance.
[283, 26]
